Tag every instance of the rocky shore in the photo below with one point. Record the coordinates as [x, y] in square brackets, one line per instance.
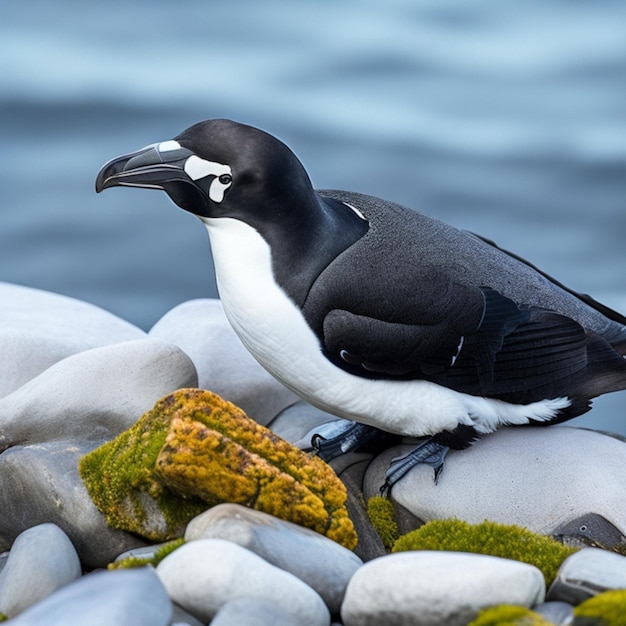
[75, 379]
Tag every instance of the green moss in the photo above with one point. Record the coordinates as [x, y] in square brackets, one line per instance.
[194, 450]
[3, 617]
[509, 615]
[510, 542]
[605, 609]
[135, 561]
[121, 481]
[381, 513]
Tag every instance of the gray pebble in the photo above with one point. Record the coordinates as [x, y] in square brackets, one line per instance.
[203, 575]
[133, 597]
[318, 561]
[424, 588]
[39, 328]
[558, 613]
[586, 573]
[250, 611]
[95, 394]
[42, 560]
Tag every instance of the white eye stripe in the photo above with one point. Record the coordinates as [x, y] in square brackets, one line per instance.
[168, 146]
[197, 168]
[217, 189]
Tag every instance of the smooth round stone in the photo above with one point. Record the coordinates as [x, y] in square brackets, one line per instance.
[318, 561]
[224, 366]
[423, 588]
[95, 394]
[133, 597]
[298, 419]
[255, 611]
[586, 573]
[557, 613]
[41, 560]
[40, 328]
[180, 617]
[40, 483]
[203, 575]
[553, 471]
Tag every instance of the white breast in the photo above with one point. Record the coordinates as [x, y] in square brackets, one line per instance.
[273, 329]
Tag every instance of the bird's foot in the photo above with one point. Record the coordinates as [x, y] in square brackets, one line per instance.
[339, 437]
[429, 452]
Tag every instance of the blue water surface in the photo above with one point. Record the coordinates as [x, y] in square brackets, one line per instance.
[502, 117]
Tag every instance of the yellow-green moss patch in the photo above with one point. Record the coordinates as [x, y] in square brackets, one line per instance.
[136, 561]
[381, 514]
[605, 609]
[509, 615]
[194, 450]
[509, 542]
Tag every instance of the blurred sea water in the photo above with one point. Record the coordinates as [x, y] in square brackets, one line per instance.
[505, 118]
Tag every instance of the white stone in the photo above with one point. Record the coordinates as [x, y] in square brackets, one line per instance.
[133, 597]
[320, 562]
[586, 573]
[258, 611]
[423, 588]
[41, 560]
[40, 328]
[547, 479]
[95, 394]
[224, 366]
[203, 575]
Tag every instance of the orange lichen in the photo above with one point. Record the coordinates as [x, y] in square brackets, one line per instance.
[194, 450]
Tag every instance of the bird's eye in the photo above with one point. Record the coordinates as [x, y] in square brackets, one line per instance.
[225, 179]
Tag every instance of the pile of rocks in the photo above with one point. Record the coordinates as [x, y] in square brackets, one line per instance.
[73, 376]
[240, 566]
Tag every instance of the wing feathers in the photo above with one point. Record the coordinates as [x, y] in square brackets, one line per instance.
[518, 354]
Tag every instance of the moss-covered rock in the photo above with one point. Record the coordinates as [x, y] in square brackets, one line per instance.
[509, 615]
[137, 561]
[605, 609]
[506, 541]
[381, 514]
[194, 450]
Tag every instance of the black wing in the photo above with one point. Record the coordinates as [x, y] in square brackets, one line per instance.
[513, 353]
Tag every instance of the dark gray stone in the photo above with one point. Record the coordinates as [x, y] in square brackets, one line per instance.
[40, 483]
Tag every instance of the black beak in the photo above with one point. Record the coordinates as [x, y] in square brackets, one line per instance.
[159, 166]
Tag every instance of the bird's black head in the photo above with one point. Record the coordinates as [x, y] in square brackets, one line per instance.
[217, 168]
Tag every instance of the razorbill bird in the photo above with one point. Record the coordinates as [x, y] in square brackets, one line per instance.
[375, 312]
